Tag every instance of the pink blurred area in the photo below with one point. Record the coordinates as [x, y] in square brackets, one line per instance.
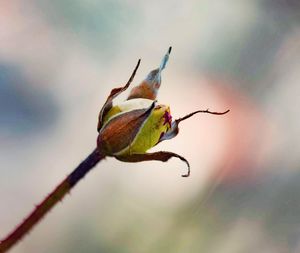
[58, 62]
[250, 137]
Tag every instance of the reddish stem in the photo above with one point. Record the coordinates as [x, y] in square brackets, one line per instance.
[50, 201]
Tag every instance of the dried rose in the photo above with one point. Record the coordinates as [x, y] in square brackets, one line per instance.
[127, 130]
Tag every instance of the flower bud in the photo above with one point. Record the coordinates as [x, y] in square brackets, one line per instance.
[133, 127]
[127, 130]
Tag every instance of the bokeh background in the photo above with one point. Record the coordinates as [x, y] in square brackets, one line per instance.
[59, 60]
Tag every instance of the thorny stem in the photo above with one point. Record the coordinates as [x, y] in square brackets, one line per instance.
[50, 201]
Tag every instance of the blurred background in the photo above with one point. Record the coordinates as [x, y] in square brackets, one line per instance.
[58, 62]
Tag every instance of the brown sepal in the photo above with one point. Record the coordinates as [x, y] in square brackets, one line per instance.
[114, 93]
[121, 130]
[163, 156]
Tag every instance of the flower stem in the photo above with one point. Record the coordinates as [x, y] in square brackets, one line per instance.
[50, 201]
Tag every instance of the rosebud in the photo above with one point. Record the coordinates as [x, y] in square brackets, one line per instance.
[127, 130]
[134, 127]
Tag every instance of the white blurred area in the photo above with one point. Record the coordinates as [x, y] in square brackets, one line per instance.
[58, 62]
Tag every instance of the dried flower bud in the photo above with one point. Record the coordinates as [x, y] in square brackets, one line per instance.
[127, 130]
[133, 127]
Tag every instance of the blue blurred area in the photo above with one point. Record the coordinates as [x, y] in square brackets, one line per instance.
[284, 13]
[24, 110]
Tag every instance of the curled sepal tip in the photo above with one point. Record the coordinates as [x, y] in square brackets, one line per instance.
[174, 130]
[162, 156]
[200, 111]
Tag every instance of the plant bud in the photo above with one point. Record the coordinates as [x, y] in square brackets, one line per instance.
[127, 130]
[133, 127]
